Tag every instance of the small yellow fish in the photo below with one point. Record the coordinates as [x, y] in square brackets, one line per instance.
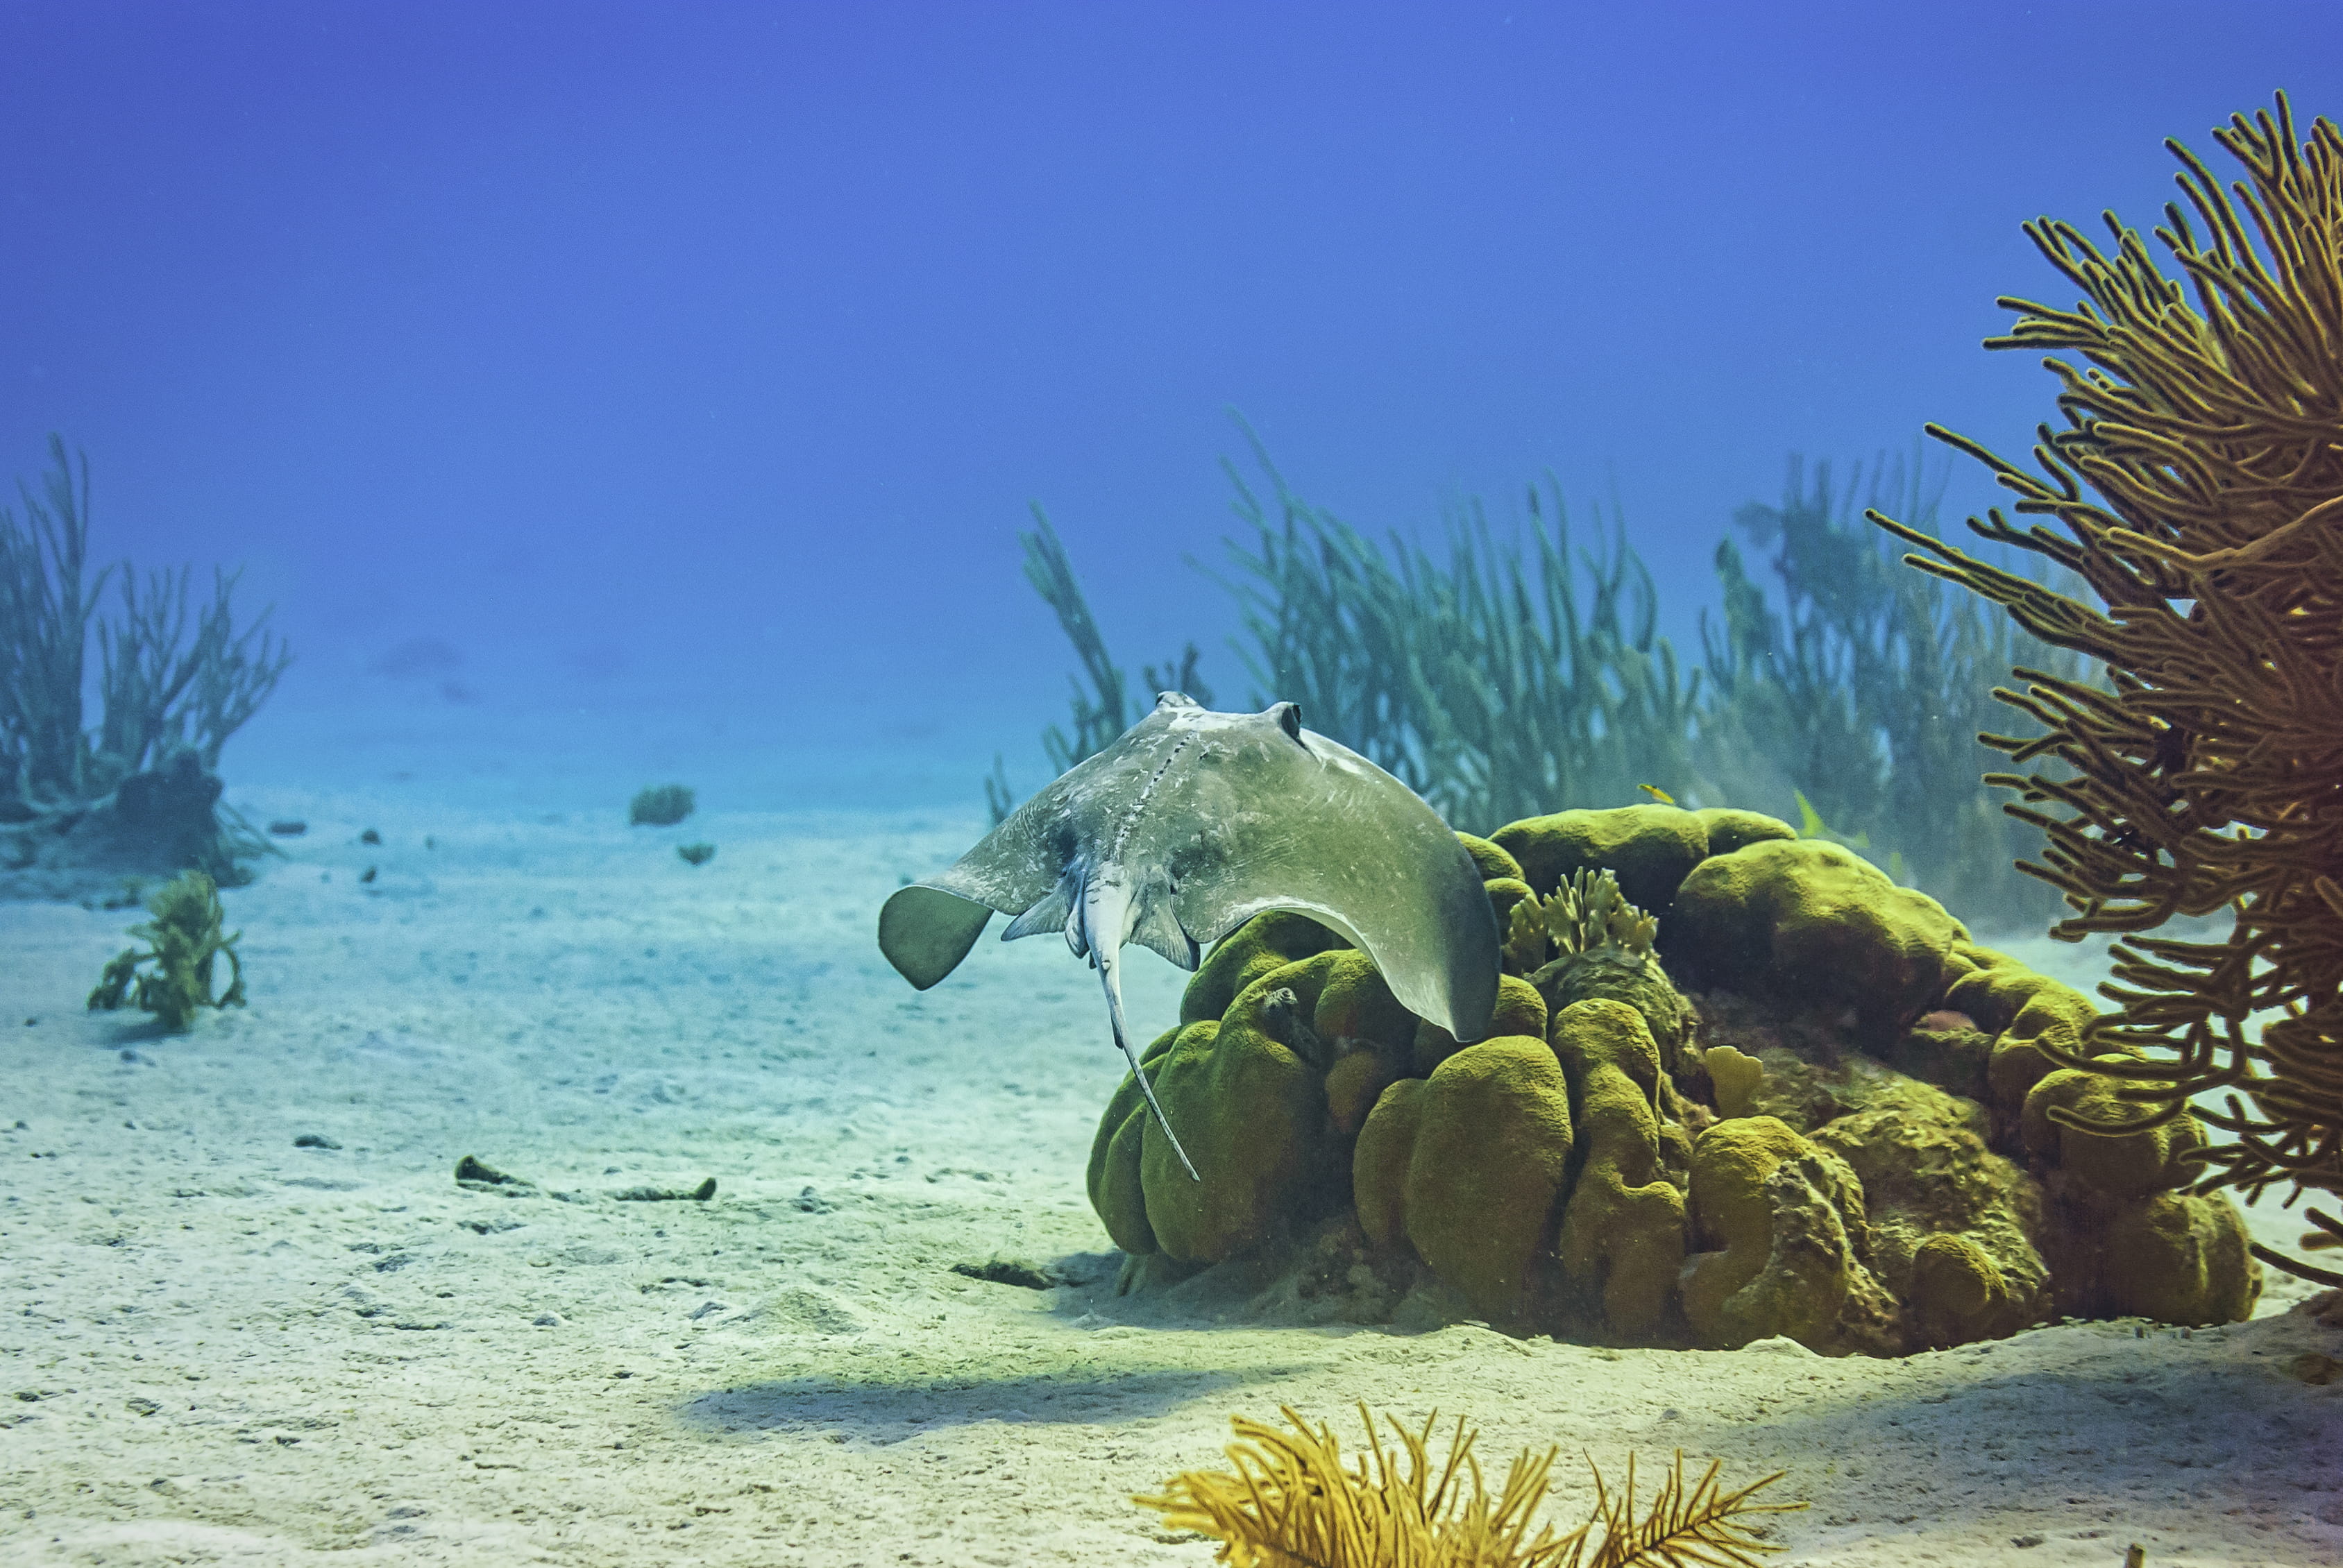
[1656, 793]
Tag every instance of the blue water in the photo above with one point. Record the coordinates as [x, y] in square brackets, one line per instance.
[684, 372]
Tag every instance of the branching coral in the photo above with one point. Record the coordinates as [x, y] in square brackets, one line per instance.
[1292, 1503]
[165, 683]
[1587, 912]
[176, 680]
[2198, 479]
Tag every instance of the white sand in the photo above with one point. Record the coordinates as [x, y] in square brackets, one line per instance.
[221, 1348]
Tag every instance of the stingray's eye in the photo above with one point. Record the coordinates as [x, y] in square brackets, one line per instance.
[1288, 718]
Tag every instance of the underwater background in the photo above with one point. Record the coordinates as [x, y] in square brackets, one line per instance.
[643, 390]
[707, 463]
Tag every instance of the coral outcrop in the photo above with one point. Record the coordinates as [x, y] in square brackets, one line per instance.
[1783, 1097]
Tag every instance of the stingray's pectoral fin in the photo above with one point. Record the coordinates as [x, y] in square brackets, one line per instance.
[925, 931]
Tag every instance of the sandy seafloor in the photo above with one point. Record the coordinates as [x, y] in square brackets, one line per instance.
[219, 1347]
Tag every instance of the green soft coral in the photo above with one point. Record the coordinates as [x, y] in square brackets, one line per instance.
[173, 978]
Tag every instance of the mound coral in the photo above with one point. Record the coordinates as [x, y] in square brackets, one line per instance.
[2199, 481]
[661, 805]
[1785, 1244]
[1857, 1133]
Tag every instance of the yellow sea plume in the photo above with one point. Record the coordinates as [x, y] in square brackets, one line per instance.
[2198, 486]
[1292, 1503]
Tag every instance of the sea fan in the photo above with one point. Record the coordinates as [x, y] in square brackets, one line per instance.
[1292, 1504]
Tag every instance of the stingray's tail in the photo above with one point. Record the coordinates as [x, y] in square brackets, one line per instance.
[1104, 955]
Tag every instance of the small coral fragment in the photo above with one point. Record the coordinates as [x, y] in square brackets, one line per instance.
[1737, 1077]
[661, 806]
[1601, 947]
[1523, 919]
[1588, 911]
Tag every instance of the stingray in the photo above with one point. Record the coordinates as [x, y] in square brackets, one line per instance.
[1187, 827]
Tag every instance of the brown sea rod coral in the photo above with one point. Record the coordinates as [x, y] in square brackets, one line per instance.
[2199, 481]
